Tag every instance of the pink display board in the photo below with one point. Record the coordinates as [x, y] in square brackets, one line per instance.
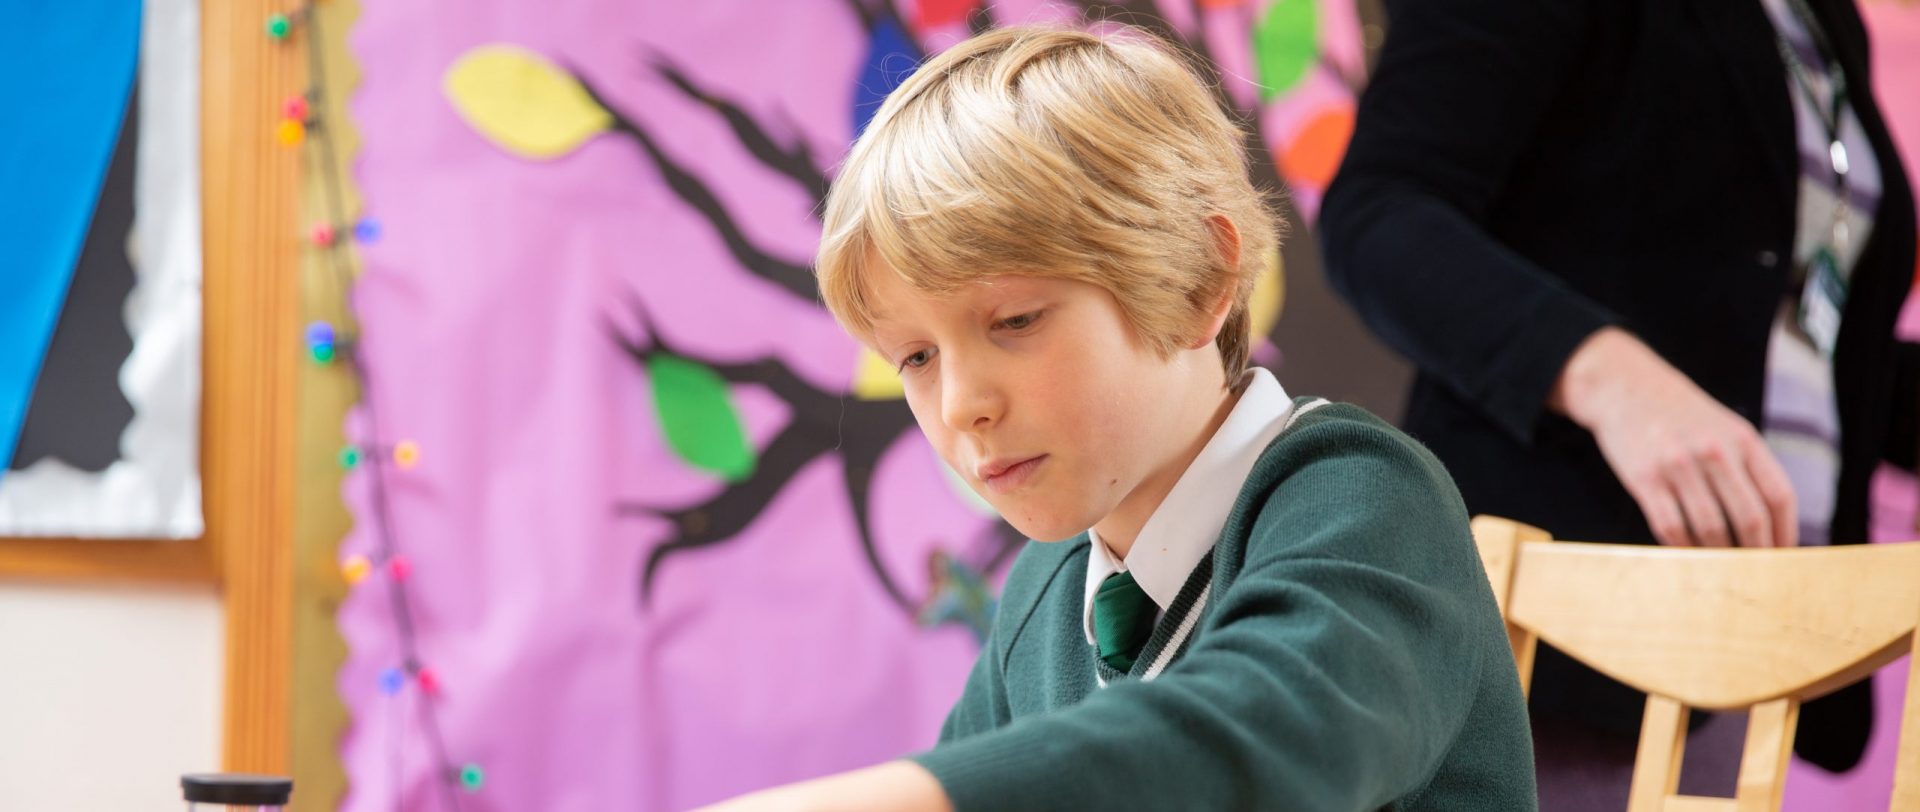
[668, 539]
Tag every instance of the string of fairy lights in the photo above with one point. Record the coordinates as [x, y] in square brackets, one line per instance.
[331, 342]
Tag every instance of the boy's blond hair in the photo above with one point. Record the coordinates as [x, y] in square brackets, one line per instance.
[1054, 152]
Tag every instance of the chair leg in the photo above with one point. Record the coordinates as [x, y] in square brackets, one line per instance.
[1524, 643]
[1906, 766]
[1763, 765]
[1656, 766]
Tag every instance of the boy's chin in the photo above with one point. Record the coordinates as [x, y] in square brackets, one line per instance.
[1045, 529]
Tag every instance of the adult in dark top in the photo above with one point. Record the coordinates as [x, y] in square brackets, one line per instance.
[1591, 226]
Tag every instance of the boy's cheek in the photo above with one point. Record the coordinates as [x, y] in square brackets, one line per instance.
[960, 468]
[932, 433]
[916, 403]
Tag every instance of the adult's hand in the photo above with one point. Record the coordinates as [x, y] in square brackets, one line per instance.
[1701, 473]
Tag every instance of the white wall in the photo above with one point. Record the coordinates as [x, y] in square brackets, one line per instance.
[107, 695]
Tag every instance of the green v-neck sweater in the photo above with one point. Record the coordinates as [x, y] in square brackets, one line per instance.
[1341, 652]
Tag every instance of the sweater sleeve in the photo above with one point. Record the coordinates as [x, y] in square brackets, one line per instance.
[983, 702]
[1460, 92]
[1903, 431]
[1332, 676]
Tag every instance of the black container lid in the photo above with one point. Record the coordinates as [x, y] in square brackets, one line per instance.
[237, 789]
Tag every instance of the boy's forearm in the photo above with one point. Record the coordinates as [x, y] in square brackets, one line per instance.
[896, 786]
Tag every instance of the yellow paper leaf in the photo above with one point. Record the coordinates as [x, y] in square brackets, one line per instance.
[523, 103]
[874, 379]
[1269, 293]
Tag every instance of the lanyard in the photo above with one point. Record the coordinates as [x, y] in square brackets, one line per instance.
[1831, 116]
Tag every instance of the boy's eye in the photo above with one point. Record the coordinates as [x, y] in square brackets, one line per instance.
[1020, 322]
[916, 360]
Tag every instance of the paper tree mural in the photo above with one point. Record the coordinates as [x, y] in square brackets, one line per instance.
[537, 109]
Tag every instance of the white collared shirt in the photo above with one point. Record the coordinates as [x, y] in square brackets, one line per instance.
[1189, 520]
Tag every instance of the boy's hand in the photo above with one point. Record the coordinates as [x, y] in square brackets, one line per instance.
[1691, 463]
[897, 786]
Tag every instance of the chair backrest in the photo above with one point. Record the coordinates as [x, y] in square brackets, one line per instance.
[1715, 629]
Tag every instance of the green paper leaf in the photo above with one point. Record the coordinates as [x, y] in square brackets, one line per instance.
[1285, 45]
[698, 417]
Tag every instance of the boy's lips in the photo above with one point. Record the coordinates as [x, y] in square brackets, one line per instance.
[1007, 473]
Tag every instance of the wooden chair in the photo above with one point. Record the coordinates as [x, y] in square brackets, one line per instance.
[1715, 629]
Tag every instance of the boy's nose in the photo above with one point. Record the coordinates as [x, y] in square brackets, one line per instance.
[969, 400]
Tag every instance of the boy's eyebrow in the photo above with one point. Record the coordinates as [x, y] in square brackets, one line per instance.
[986, 294]
[878, 322]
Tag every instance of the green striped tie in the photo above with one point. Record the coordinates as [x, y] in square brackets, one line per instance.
[1123, 618]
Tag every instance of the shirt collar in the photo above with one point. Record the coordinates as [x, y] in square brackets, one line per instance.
[1189, 520]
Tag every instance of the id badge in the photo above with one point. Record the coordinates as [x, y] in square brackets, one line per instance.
[1821, 301]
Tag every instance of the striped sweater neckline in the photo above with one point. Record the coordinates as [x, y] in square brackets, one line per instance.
[1171, 634]
[1174, 633]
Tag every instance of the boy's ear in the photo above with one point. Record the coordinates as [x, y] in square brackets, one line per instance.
[1226, 243]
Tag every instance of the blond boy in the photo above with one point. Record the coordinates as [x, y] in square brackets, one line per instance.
[1236, 599]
